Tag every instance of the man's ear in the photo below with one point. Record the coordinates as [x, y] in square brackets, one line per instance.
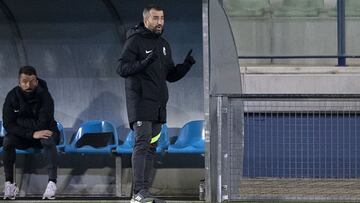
[145, 21]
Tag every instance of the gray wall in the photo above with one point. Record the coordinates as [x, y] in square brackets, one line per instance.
[270, 35]
[75, 46]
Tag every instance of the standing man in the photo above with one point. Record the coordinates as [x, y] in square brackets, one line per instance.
[28, 118]
[146, 64]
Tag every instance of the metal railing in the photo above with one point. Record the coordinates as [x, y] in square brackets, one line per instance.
[303, 147]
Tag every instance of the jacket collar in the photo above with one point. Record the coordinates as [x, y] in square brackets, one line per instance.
[141, 29]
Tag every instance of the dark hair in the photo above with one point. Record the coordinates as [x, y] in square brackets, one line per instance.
[149, 7]
[27, 70]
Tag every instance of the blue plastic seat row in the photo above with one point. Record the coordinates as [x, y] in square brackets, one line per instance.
[191, 140]
[99, 137]
[128, 145]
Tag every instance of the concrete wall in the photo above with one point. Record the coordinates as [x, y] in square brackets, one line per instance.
[300, 80]
[270, 35]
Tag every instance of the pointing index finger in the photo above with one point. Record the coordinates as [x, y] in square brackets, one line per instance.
[189, 53]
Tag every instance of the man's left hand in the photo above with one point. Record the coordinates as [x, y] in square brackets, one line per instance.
[189, 59]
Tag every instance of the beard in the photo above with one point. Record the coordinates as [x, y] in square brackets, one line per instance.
[158, 29]
[28, 95]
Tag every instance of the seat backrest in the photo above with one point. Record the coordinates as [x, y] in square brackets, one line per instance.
[130, 139]
[2, 130]
[62, 134]
[2, 133]
[191, 133]
[164, 140]
[96, 133]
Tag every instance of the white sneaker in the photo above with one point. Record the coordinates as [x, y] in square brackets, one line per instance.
[10, 190]
[50, 191]
[142, 196]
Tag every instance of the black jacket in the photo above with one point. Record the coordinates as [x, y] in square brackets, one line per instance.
[145, 85]
[22, 116]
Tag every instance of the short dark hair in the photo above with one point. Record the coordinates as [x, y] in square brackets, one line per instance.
[27, 70]
[149, 7]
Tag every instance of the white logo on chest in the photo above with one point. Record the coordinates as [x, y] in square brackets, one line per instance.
[148, 52]
[164, 51]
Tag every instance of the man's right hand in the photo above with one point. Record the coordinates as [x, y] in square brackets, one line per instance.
[42, 134]
[150, 58]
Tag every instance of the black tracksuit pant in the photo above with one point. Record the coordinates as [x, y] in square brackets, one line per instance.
[143, 154]
[48, 146]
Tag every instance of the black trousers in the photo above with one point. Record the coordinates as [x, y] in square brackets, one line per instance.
[143, 154]
[48, 146]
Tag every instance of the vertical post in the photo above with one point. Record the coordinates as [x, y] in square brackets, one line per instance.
[208, 179]
[341, 32]
[118, 173]
[224, 149]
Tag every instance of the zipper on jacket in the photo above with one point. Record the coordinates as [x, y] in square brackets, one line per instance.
[160, 54]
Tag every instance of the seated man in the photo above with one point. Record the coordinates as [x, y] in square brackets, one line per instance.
[28, 118]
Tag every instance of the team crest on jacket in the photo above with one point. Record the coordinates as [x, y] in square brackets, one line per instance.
[164, 51]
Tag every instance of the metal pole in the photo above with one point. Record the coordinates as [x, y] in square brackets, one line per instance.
[206, 58]
[341, 32]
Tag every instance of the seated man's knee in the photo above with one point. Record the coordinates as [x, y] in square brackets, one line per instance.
[8, 142]
[50, 142]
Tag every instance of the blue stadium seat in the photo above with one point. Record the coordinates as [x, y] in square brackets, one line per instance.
[128, 145]
[2, 135]
[94, 137]
[164, 140]
[191, 139]
[28, 151]
[60, 147]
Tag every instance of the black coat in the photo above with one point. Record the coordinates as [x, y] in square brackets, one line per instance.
[22, 116]
[145, 85]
